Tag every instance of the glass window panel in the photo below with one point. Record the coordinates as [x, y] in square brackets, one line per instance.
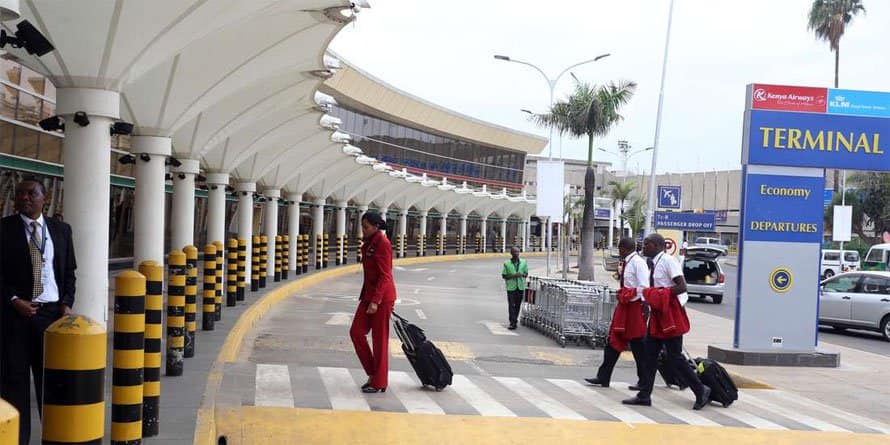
[6, 136]
[32, 81]
[51, 149]
[50, 90]
[9, 101]
[29, 109]
[49, 109]
[11, 70]
[25, 143]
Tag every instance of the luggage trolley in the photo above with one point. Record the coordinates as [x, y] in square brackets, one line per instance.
[565, 310]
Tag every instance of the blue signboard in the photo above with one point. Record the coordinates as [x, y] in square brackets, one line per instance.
[669, 196]
[602, 213]
[702, 222]
[859, 103]
[817, 140]
[783, 208]
[829, 195]
[719, 215]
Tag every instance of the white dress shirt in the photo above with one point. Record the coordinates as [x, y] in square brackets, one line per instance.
[665, 270]
[50, 289]
[636, 274]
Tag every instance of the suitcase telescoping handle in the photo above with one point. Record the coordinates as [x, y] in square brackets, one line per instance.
[401, 318]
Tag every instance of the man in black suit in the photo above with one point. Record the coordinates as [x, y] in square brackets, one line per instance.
[36, 289]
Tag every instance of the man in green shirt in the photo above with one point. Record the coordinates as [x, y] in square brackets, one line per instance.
[514, 273]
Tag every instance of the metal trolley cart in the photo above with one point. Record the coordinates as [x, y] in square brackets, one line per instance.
[569, 310]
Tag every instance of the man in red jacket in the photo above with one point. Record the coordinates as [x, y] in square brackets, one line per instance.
[628, 324]
[668, 322]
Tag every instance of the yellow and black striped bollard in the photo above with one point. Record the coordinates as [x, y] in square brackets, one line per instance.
[73, 385]
[319, 251]
[9, 424]
[299, 259]
[232, 277]
[128, 358]
[208, 315]
[285, 256]
[176, 271]
[154, 320]
[264, 260]
[306, 253]
[278, 258]
[242, 268]
[326, 251]
[191, 299]
[358, 251]
[255, 264]
[419, 246]
[220, 263]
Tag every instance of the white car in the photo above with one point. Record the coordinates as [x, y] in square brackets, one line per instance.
[856, 300]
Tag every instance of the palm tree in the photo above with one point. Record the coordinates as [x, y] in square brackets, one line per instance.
[620, 192]
[636, 215]
[590, 111]
[829, 19]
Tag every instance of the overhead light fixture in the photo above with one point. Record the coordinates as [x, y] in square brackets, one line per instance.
[9, 10]
[330, 122]
[381, 167]
[173, 161]
[27, 37]
[145, 157]
[81, 118]
[365, 160]
[351, 150]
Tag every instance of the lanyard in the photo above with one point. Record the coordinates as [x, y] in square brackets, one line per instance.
[42, 246]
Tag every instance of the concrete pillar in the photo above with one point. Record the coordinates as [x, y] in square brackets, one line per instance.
[443, 231]
[293, 227]
[341, 230]
[216, 207]
[403, 231]
[611, 224]
[528, 232]
[362, 209]
[182, 220]
[503, 245]
[271, 226]
[484, 230]
[245, 191]
[463, 233]
[423, 217]
[317, 225]
[148, 228]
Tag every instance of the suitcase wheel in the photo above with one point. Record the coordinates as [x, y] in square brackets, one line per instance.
[439, 388]
[726, 405]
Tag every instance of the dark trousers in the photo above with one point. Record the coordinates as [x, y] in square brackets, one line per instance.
[610, 358]
[674, 358]
[514, 302]
[23, 353]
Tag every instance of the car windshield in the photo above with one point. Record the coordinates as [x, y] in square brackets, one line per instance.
[851, 256]
[831, 256]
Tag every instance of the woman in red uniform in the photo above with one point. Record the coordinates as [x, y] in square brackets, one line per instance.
[375, 303]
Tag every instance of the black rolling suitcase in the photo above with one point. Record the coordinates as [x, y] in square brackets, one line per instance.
[670, 376]
[723, 389]
[427, 360]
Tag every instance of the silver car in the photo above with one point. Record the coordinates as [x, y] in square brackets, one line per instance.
[856, 300]
[703, 274]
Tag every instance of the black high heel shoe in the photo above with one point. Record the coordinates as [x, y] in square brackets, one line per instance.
[372, 390]
[367, 384]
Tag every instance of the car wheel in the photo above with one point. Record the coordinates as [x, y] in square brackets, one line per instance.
[717, 299]
[885, 327]
[828, 274]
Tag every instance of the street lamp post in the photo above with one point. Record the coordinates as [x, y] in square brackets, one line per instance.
[624, 150]
[551, 84]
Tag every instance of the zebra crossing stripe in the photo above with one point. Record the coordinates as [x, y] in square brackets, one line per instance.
[411, 394]
[676, 410]
[540, 400]
[273, 386]
[342, 390]
[483, 403]
[830, 410]
[601, 402]
[794, 415]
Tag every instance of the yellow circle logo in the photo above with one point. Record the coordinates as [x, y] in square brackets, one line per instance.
[780, 280]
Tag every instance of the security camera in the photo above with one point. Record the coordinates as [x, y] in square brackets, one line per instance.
[80, 118]
[173, 161]
[121, 127]
[145, 157]
[52, 123]
[181, 176]
[28, 37]
[213, 187]
[127, 159]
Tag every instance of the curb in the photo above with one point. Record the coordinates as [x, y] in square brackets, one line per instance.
[743, 382]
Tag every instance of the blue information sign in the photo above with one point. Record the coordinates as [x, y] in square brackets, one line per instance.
[859, 103]
[669, 196]
[602, 213]
[719, 215]
[817, 140]
[783, 208]
[702, 222]
[829, 195]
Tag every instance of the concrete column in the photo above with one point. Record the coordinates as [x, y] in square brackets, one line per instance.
[216, 207]
[403, 231]
[183, 218]
[611, 224]
[423, 217]
[271, 226]
[245, 191]
[148, 228]
[293, 227]
[341, 229]
[504, 235]
[528, 232]
[484, 230]
[443, 230]
[362, 209]
[317, 225]
[463, 232]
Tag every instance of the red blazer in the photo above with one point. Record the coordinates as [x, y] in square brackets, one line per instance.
[378, 286]
[628, 322]
[668, 318]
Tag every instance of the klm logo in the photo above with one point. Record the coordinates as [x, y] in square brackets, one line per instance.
[839, 102]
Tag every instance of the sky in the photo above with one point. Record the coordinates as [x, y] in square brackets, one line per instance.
[442, 51]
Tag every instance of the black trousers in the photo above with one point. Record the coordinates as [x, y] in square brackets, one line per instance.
[610, 358]
[23, 354]
[675, 359]
[514, 302]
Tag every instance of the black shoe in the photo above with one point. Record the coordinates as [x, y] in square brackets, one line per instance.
[701, 402]
[367, 384]
[372, 390]
[512, 327]
[596, 381]
[636, 400]
[636, 387]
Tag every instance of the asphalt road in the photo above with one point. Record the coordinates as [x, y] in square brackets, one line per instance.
[861, 340]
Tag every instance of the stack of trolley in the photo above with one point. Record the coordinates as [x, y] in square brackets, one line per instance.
[569, 310]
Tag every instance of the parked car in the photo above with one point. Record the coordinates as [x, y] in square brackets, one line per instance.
[856, 300]
[711, 242]
[877, 257]
[703, 274]
[832, 264]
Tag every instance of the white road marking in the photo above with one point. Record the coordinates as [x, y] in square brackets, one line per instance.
[483, 403]
[412, 395]
[497, 328]
[399, 268]
[681, 412]
[538, 399]
[419, 269]
[420, 314]
[830, 410]
[599, 401]
[273, 386]
[339, 319]
[793, 414]
[342, 390]
[430, 278]
[416, 291]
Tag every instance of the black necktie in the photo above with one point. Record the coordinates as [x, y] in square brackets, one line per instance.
[622, 266]
[651, 265]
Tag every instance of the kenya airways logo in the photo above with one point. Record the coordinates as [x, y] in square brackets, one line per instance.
[790, 98]
[760, 95]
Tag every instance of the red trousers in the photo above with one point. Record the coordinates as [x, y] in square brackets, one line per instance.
[376, 364]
